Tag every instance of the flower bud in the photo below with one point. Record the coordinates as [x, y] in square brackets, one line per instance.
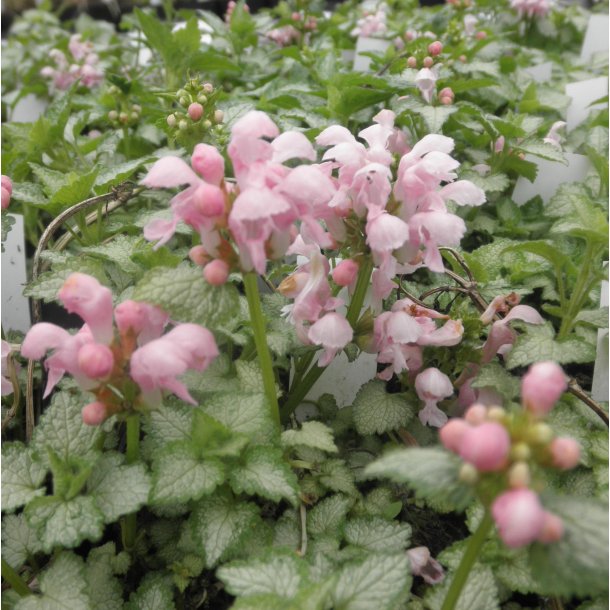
[519, 516]
[486, 447]
[481, 35]
[134, 116]
[552, 528]
[207, 124]
[412, 62]
[446, 101]
[566, 453]
[468, 474]
[345, 272]
[435, 48]
[171, 120]
[195, 111]
[463, 58]
[446, 92]
[216, 272]
[542, 386]
[113, 115]
[497, 414]
[428, 62]
[136, 108]
[123, 117]
[181, 93]
[95, 360]
[199, 256]
[208, 88]
[219, 116]
[209, 163]
[94, 413]
[452, 433]
[521, 452]
[519, 475]
[183, 125]
[476, 415]
[540, 434]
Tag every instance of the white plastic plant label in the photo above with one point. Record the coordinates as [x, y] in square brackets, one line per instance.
[541, 73]
[15, 307]
[550, 175]
[596, 37]
[28, 109]
[599, 387]
[583, 94]
[368, 45]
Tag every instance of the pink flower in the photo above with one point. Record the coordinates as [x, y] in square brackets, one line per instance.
[156, 365]
[486, 447]
[542, 386]
[565, 453]
[333, 332]
[384, 234]
[371, 25]
[284, 36]
[425, 81]
[432, 386]
[85, 296]
[452, 434]
[7, 191]
[195, 111]
[447, 335]
[531, 8]
[519, 516]
[95, 360]
[553, 136]
[145, 321]
[345, 272]
[424, 565]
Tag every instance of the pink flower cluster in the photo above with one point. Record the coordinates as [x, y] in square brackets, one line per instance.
[284, 36]
[350, 201]
[531, 8]
[492, 442]
[107, 363]
[371, 24]
[83, 66]
[231, 7]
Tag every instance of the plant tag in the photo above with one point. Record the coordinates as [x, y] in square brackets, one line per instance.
[583, 94]
[596, 37]
[15, 307]
[28, 109]
[550, 175]
[541, 73]
[368, 45]
[599, 387]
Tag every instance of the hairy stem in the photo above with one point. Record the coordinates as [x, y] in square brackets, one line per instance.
[12, 578]
[132, 452]
[260, 340]
[468, 560]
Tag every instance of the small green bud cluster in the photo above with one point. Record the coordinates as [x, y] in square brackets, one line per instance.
[125, 114]
[197, 111]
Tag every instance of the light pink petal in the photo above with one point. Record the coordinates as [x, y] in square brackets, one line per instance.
[382, 287]
[308, 187]
[41, 338]
[385, 117]
[463, 192]
[448, 335]
[385, 232]
[169, 172]
[431, 415]
[335, 134]
[292, 145]
[432, 384]
[160, 230]
[523, 312]
[209, 163]
[500, 335]
[402, 328]
[333, 332]
[432, 142]
[255, 124]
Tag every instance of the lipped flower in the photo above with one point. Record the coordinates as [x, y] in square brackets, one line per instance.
[432, 386]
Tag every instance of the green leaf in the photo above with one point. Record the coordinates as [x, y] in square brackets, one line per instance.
[537, 343]
[593, 317]
[29, 193]
[118, 489]
[105, 591]
[187, 297]
[63, 586]
[542, 150]
[435, 116]
[155, 593]
[22, 477]
[379, 582]
[210, 439]
[496, 377]
[376, 411]
[219, 524]
[118, 251]
[378, 535]
[179, 475]
[280, 575]
[19, 540]
[265, 472]
[313, 434]
[328, 515]
[337, 476]
[432, 473]
[157, 35]
[114, 175]
[61, 428]
[578, 563]
[66, 524]
[168, 422]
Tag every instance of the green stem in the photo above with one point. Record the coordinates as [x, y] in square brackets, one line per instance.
[353, 313]
[129, 522]
[260, 340]
[468, 560]
[12, 578]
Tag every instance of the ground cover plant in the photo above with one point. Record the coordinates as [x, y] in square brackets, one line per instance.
[314, 350]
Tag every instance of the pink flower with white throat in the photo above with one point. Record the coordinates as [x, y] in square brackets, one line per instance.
[432, 386]
[333, 332]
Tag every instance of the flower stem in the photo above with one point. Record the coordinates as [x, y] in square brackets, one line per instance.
[12, 578]
[128, 523]
[470, 556]
[260, 340]
[353, 313]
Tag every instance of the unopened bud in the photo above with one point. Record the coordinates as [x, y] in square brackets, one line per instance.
[412, 62]
[468, 474]
[463, 58]
[519, 475]
[542, 386]
[540, 434]
[208, 88]
[181, 93]
[481, 35]
[446, 101]
[171, 120]
[521, 452]
[123, 117]
[207, 124]
[486, 446]
[94, 414]
[184, 101]
[183, 125]
[195, 111]
[95, 360]
[202, 99]
[428, 62]
[136, 108]
[219, 116]
[497, 414]
[113, 115]
[435, 48]
[476, 414]
[216, 272]
[135, 116]
[552, 528]
[452, 433]
[199, 256]
[566, 453]
[345, 272]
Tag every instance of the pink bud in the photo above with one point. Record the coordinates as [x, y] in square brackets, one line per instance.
[95, 360]
[446, 92]
[7, 184]
[542, 386]
[195, 111]
[463, 58]
[476, 415]
[94, 413]
[499, 145]
[566, 453]
[552, 528]
[412, 62]
[6, 198]
[345, 272]
[446, 101]
[216, 272]
[481, 35]
[428, 62]
[209, 163]
[486, 447]
[199, 255]
[452, 433]
[296, 16]
[435, 48]
[519, 516]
